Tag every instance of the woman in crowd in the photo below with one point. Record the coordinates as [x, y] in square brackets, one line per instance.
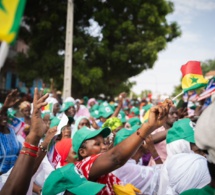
[9, 145]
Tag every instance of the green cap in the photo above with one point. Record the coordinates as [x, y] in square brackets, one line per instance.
[66, 106]
[134, 121]
[124, 133]
[121, 116]
[95, 114]
[11, 111]
[69, 178]
[135, 110]
[147, 107]
[86, 133]
[54, 122]
[181, 129]
[94, 107]
[105, 111]
[113, 123]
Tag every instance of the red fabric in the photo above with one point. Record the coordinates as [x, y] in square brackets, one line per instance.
[63, 147]
[109, 179]
[191, 67]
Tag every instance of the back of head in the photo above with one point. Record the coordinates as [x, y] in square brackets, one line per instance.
[186, 171]
[205, 132]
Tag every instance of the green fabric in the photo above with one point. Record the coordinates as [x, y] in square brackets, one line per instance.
[66, 106]
[134, 121]
[113, 123]
[135, 110]
[45, 113]
[54, 122]
[95, 114]
[207, 190]
[85, 133]
[124, 133]
[105, 111]
[147, 107]
[94, 107]
[11, 111]
[181, 129]
[69, 178]
[121, 116]
[196, 86]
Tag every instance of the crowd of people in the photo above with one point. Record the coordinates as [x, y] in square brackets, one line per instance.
[97, 146]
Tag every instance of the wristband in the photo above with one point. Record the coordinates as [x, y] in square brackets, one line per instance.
[158, 157]
[28, 153]
[30, 146]
[42, 148]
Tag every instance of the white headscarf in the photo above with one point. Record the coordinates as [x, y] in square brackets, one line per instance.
[178, 147]
[182, 172]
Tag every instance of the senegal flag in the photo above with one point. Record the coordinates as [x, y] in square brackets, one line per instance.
[10, 17]
[192, 77]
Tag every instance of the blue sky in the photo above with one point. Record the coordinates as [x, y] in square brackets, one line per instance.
[197, 21]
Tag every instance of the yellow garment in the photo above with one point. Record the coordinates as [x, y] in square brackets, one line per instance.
[127, 189]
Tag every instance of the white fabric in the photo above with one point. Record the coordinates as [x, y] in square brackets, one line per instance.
[182, 172]
[69, 99]
[51, 100]
[143, 177]
[205, 132]
[178, 147]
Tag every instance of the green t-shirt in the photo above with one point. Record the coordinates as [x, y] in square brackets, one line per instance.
[207, 190]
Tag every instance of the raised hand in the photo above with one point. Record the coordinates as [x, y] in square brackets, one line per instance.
[158, 114]
[38, 126]
[11, 99]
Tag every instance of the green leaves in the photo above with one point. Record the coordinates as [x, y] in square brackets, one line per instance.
[132, 34]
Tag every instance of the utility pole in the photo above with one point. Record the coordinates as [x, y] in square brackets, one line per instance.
[67, 84]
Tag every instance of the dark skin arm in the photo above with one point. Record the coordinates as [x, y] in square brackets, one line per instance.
[150, 146]
[118, 155]
[159, 137]
[20, 177]
[10, 101]
[120, 102]
[49, 135]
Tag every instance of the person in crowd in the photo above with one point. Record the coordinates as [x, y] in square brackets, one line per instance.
[91, 102]
[144, 178]
[180, 140]
[159, 140]
[9, 145]
[204, 136]
[96, 163]
[64, 148]
[25, 111]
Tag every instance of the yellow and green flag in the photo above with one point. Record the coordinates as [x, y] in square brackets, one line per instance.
[11, 12]
[192, 77]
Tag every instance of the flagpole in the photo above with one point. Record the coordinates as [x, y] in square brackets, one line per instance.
[3, 53]
[67, 84]
[177, 96]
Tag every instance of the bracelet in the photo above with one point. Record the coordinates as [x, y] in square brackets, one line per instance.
[28, 153]
[42, 148]
[158, 157]
[30, 146]
[138, 133]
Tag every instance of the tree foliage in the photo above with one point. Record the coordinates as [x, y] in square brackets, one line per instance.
[208, 65]
[131, 35]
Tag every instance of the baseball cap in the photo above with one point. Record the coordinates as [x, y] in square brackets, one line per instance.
[69, 178]
[121, 116]
[54, 122]
[66, 106]
[86, 133]
[181, 129]
[124, 133]
[134, 121]
[135, 110]
[105, 111]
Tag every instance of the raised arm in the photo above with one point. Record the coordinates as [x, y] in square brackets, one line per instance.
[20, 177]
[118, 155]
[120, 102]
